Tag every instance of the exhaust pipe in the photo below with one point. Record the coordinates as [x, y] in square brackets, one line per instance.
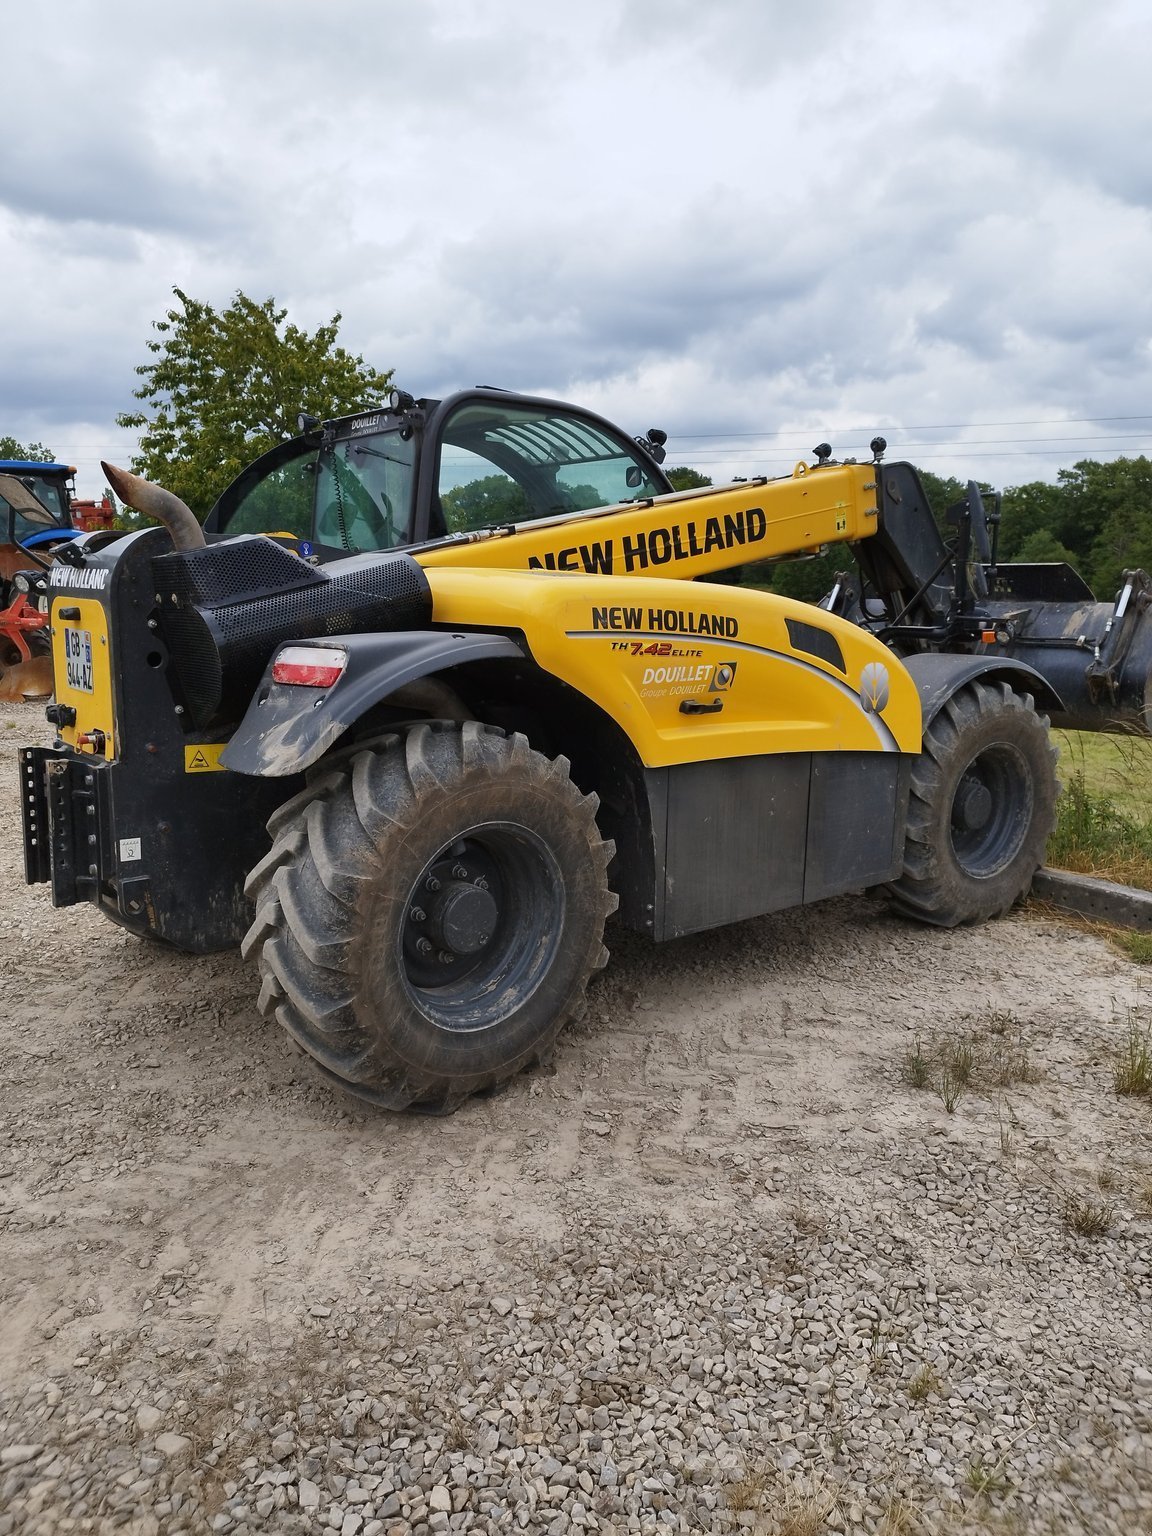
[154, 501]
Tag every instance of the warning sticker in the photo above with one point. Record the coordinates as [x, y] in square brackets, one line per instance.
[204, 758]
[129, 849]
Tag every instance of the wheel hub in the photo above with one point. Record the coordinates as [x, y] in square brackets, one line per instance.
[463, 918]
[454, 913]
[972, 806]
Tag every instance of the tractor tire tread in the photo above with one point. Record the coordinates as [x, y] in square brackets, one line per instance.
[310, 889]
[933, 887]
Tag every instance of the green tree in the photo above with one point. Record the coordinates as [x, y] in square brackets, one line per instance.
[942, 491]
[1029, 512]
[1110, 505]
[811, 578]
[29, 452]
[685, 479]
[226, 385]
[1043, 546]
[484, 503]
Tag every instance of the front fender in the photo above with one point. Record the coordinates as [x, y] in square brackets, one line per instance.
[288, 727]
[938, 675]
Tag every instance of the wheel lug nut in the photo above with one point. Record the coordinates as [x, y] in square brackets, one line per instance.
[424, 946]
[417, 914]
[431, 884]
[459, 872]
[445, 958]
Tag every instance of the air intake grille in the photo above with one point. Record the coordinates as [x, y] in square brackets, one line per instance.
[225, 609]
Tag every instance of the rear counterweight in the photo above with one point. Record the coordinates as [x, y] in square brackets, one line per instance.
[136, 815]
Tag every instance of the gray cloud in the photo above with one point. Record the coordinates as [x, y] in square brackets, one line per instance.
[738, 217]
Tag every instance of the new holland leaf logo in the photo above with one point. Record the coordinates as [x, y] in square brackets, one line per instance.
[874, 687]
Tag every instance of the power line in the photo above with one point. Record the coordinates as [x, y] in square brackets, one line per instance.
[942, 426]
[961, 444]
[895, 451]
[992, 447]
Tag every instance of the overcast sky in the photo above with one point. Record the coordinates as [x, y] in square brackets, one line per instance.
[754, 223]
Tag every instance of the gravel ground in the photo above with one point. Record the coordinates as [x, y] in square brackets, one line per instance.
[726, 1268]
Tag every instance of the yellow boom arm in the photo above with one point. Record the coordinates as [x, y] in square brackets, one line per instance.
[688, 533]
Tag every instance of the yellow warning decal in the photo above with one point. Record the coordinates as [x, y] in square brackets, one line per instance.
[204, 758]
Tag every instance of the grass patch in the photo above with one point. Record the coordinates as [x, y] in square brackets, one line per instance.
[748, 1492]
[879, 1358]
[950, 1088]
[1116, 768]
[917, 1069]
[1095, 835]
[985, 1480]
[924, 1383]
[1133, 1075]
[1087, 1217]
[992, 1053]
[804, 1509]
[1137, 946]
[959, 1061]
[901, 1519]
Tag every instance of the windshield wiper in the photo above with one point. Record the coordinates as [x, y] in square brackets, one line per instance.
[378, 453]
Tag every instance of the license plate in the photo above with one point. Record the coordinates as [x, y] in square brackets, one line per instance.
[78, 659]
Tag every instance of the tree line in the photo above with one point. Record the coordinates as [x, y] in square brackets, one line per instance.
[1097, 517]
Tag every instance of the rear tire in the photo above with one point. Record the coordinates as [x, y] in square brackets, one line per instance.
[981, 808]
[430, 912]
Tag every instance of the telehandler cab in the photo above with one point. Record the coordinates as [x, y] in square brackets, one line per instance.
[439, 693]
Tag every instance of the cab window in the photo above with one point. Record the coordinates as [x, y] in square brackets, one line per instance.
[276, 501]
[509, 464]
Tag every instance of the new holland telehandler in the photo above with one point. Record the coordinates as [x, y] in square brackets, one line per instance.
[434, 691]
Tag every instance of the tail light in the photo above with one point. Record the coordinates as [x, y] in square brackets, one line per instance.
[309, 666]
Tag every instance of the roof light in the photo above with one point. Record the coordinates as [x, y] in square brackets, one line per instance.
[309, 666]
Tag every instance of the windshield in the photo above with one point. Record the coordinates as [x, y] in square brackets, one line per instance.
[29, 505]
[353, 495]
[364, 492]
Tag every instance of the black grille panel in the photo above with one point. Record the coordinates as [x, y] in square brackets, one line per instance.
[225, 609]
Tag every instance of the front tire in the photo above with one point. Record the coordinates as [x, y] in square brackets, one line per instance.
[430, 912]
[982, 806]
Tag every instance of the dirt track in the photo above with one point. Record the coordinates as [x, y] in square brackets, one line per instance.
[153, 1125]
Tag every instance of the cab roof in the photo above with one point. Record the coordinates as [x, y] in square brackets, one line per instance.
[24, 466]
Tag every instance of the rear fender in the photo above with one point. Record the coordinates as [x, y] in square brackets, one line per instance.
[288, 727]
[939, 676]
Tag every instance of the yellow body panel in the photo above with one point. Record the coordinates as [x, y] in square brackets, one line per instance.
[641, 649]
[688, 533]
[93, 710]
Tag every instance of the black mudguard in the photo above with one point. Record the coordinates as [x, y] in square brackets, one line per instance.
[288, 728]
[939, 675]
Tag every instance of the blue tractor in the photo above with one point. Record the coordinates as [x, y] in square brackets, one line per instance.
[35, 518]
